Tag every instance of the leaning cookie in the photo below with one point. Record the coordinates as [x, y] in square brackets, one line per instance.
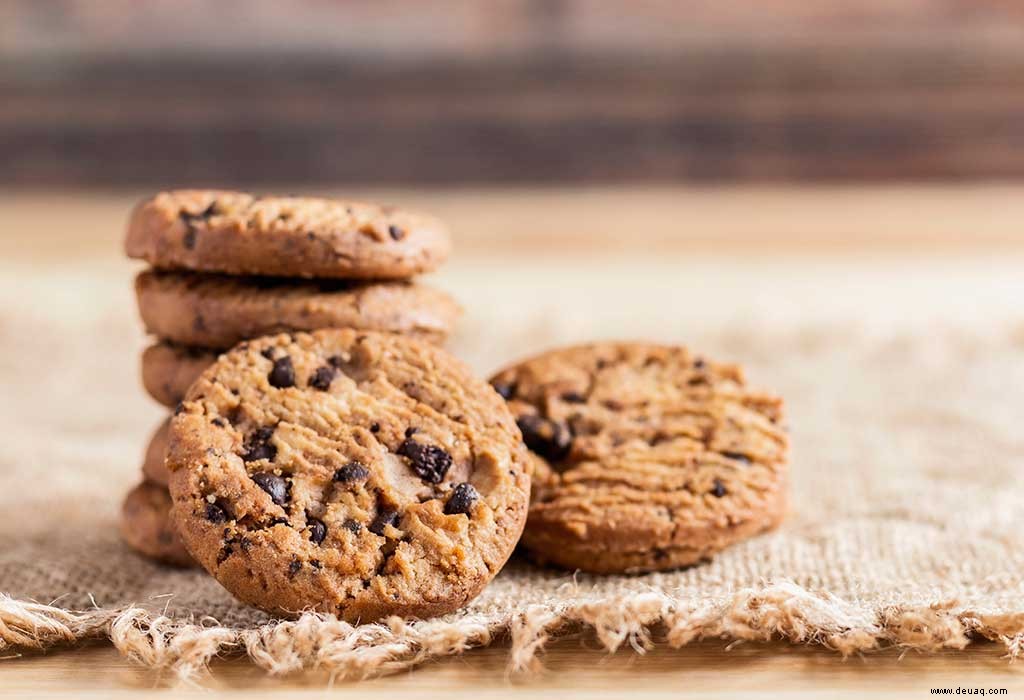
[168, 370]
[147, 528]
[354, 473]
[241, 234]
[650, 458]
[217, 311]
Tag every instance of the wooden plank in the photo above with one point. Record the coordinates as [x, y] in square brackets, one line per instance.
[574, 223]
[575, 665]
[574, 90]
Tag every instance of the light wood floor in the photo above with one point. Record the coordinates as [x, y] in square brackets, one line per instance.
[704, 669]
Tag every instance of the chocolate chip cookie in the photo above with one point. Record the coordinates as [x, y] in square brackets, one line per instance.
[147, 528]
[153, 467]
[355, 473]
[217, 311]
[168, 370]
[241, 234]
[648, 457]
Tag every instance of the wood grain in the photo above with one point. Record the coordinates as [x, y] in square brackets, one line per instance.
[539, 91]
[595, 222]
[573, 665]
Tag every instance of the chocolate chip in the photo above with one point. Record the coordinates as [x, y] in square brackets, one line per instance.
[294, 567]
[352, 526]
[267, 353]
[548, 439]
[573, 397]
[219, 422]
[322, 378]
[409, 432]
[315, 563]
[336, 361]
[719, 489]
[190, 220]
[396, 233]
[429, 462]
[317, 530]
[215, 514]
[276, 486]
[211, 209]
[375, 427]
[282, 375]
[383, 519]
[738, 456]
[699, 363]
[461, 500]
[258, 445]
[506, 390]
[353, 471]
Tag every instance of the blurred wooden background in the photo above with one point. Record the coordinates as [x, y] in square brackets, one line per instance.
[162, 92]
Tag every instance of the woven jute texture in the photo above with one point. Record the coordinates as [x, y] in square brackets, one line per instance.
[905, 526]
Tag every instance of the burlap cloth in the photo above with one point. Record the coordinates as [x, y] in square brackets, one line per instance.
[907, 501]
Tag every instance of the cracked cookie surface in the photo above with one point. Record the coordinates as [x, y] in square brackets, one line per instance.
[647, 456]
[361, 474]
[217, 311]
[242, 234]
[147, 528]
[168, 370]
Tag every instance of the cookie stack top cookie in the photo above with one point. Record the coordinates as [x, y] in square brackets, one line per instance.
[241, 234]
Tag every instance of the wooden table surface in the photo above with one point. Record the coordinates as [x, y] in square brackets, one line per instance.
[903, 228]
[703, 669]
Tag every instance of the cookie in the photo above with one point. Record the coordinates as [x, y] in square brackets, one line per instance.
[240, 234]
[354, 473]
[648, 457]
[153, 467]
[218, 311]
[168, 370]
[146, 525]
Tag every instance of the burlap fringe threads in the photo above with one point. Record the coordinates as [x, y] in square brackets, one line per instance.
[781, 610]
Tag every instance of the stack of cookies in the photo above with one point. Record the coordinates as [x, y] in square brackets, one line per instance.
[325, 454]
[229, 266]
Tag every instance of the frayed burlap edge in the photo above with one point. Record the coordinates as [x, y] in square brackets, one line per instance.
[780, 610]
